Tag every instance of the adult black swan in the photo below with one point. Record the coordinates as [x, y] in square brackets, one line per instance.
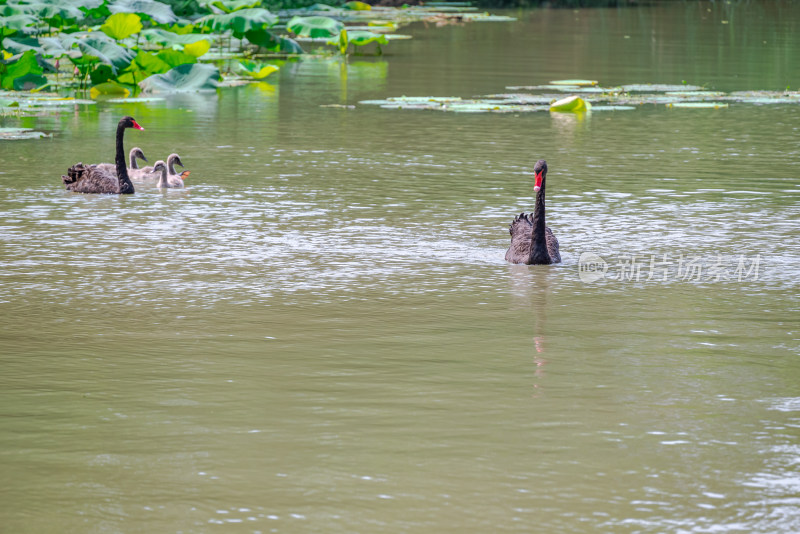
[533, 243]
[94, 179]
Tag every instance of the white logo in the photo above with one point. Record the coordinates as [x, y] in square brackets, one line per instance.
[591, 267]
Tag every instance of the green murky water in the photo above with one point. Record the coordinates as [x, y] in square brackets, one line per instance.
[319, 334]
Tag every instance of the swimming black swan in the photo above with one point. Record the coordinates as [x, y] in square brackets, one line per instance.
[533, 243]
[167, 180]
[92, 179]
[135, 152]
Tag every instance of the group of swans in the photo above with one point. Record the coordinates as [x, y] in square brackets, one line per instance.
[532, 242]
[116, 178]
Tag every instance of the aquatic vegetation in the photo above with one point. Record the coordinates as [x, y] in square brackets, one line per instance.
[598, 99]
[57, 45]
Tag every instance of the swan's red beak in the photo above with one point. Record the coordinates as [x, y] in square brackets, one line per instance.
[136, 125]
[538, 184]
[185, 174]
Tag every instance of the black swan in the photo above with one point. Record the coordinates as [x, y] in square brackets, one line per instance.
[135, 152]
[149, 173]
[165, 179]
[533, 243]
[92, 179]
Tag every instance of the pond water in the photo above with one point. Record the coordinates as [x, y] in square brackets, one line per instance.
[320, 334]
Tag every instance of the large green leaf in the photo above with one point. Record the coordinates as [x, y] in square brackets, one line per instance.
[106, 50]
[363, 37]
[314, 26]
[256, 70]
[18, 69]
[240, 22]
[275, 43]
[57, 46]
[157, 11]
[43, 10]
[16, 23]
[121, 25]
[229, 6]
[167, 38]
[195, 77]
[174, 58]
[18, 45]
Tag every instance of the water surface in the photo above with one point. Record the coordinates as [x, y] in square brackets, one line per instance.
[319, 334]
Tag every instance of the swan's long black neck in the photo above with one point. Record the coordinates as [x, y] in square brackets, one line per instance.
[125, 184]
[539, 253]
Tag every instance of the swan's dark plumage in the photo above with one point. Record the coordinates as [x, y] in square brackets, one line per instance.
[532, 242]
[82, 178]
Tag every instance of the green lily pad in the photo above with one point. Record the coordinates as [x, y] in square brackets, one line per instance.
[578, 83]
[20, 133]
[659, 88]
[135, 100]
[698, 105]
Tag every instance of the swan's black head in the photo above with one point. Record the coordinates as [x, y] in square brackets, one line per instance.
[540, 170]
[129, 122]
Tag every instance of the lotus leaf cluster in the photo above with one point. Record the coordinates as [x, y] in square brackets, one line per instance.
[115, 47]
[586, 96]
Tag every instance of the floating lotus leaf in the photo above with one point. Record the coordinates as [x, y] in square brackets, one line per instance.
[570, 104]
[184, 78]
[239, 22]
[613, 108]
[712, 105]
[109, 88]
[255, 70]
[578, 83]
[659, 88]
[136, 100]
[157, 11]
[121, 25]
[20, 133]
[314, 26]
